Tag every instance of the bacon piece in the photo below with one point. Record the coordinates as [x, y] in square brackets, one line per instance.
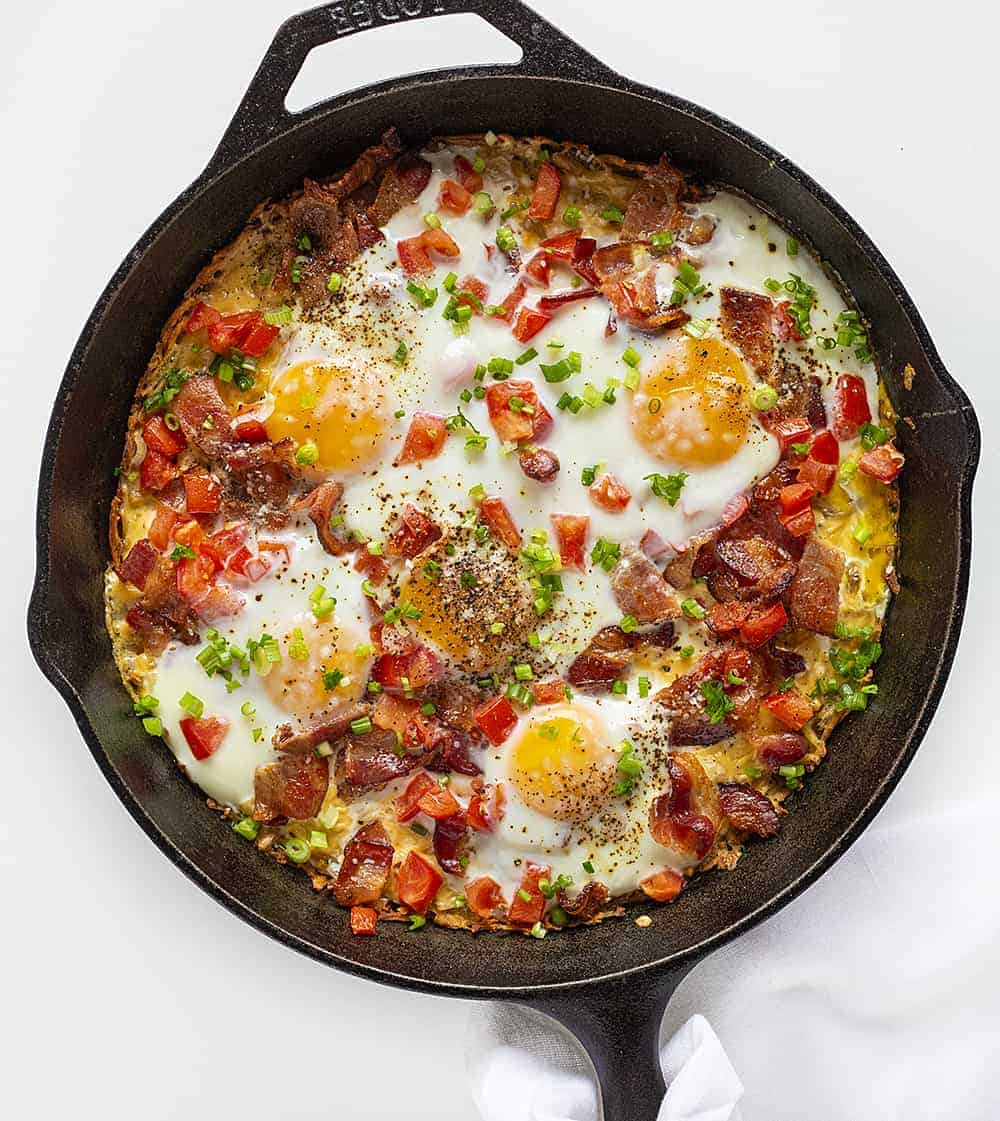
[154, 631]
[414, 533]
[640, 590]
[746, 322]
[585, 906]
[495, 515]
[204, 418]
[548, 692]
[513, 426]
[403, 183]
[687, 818]
[139, 562]
[538, 464]
[561, 299]
[653, 205]
[799, 395]
[364, 870]
[748, 809]
[814, 592]
[450, 836]
[685, 700]
[779, 749]
[450, 748]
[617, 261]
[292, 788]
[320, 505]
[610, 493]
[258, 482]
[571, 537]
[653, 545]
[424, 440]
[369, 761]
[419, 666]
[725, 618]
[606, 659]
[161, 600]
[371, 161]
[329, 729]
[467, 175]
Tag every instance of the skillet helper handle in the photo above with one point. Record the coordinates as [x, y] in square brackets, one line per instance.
[618, 1024]
[262, 113]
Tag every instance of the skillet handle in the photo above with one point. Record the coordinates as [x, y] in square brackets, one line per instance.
[618, 1024]
[262, 113]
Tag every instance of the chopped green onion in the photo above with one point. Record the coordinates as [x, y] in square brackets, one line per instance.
[872, 435]
[247, 827]
[332, 678]
[506, 241]
[182, 552]
[153, 725]
[763, 397]
[571, 216]
[362, 725]
[643, 686]
[631, 357]
[307, 454]
[399, 356]
[526, 357]
[588, 867]
[667, 487]
[482, 203]
[432, 221]
[792, 247]
[335, 283]
[192, 704]
[538, 931]
[417, 922]
[613, 215]
[661, 241]
[628, 623]
[693, 609]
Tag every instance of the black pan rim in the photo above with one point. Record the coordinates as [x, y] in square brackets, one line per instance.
[677, 961]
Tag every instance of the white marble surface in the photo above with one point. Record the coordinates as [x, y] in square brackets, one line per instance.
[109, 958]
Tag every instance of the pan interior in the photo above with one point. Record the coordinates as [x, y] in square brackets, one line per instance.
[866, 754]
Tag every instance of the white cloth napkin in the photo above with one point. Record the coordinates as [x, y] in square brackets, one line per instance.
[863, 1000]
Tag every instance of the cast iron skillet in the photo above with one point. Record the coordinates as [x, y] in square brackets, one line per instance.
[609, 984]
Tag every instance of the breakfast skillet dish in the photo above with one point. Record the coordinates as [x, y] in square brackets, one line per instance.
[502, 530]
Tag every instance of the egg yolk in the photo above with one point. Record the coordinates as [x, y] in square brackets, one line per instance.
[694, 410]
[339, 411]
[310, 650]
[561, 765]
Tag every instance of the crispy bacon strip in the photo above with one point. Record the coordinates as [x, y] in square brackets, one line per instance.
[814, 593]
[292, 788]
[334, 724]
[320, 504]
[640, 590]
[365, 869]
[746, 322]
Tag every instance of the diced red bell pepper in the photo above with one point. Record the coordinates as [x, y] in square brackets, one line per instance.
[160, 438]
[407, 806]
[820, 477]
[825, 448]
[486, 808]
[250, 432]
[791, 430]
[202, 316]
[231, 330]
[202, 492]
[791, 708]
[438, 803]
[800, 523]
[417, 882]
[562, 245]
[528, 323]
[439, 241]
[418, 667]
[850, 406]
[156, 471]
[663, 886]
[259, 338]
[204, 734]
[483, 896]
[251, 566]
[539, 268]
[759, 628]
[546, 193]
[138, 563]
[795, 497]
[497, 719]
[467, 175]
[413, 256]
[571, 537]
[478, 288]
[548, 692]
[610, 493]
[510, 301]
[162, 526]
[453, 197]
[528, 911]
[883, 463]
[189, 533]
[511, 426]
[495, 515]
[195, 577]
[424, 440]
[363, 920]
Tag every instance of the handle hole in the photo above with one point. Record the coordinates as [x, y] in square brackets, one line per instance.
[413, 47]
